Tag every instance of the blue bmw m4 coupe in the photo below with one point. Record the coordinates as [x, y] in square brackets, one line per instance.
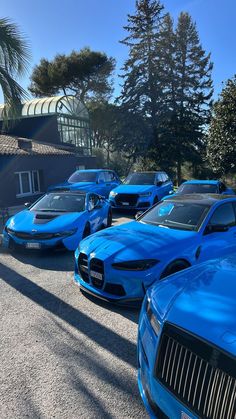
[57, 220]
[187, 344]
[120, 264]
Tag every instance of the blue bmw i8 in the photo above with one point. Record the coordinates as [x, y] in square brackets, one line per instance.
[121, 263]
[187, 343]
[57, 220]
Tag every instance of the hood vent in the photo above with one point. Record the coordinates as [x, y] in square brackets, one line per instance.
[44, 218]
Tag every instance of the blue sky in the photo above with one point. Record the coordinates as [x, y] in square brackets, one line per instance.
[60, 26]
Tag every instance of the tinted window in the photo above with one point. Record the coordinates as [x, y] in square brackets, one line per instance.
[83, 177]
[93, 201]
[189, 188]
[140, 179]
[184, 215]
[61, 202]
[110, 176]
[223, 215]
[102, 177]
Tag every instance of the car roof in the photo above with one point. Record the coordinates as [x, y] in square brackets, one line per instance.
[151, 171]
[205, 199]
[65, 191]
[201, 182]
[95, 170]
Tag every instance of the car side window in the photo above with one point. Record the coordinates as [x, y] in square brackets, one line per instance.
[223, 215]
[222, 187]
[109, 176]
[101, 177]
[93, 201]
[159, 177]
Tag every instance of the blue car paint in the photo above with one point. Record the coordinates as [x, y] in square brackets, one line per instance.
[24, 221]
[216, 183]
[153, 193]
[201, 301]
[136, 240]
[102, 188]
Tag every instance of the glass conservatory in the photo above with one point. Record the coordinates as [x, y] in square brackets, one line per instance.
[71, 115]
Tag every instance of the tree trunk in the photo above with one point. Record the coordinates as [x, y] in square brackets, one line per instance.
[179, 172]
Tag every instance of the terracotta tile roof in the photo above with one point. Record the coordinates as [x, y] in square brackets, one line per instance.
[10, 145]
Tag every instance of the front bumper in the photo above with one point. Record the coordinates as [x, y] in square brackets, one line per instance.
[69, 243]
[141, 205]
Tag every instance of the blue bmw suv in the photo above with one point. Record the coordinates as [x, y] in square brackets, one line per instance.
[141, 190]
[99, 181]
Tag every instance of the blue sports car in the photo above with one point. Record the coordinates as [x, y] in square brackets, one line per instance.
[203, 186]
[187, 344]
[141, 190]
[121, 263]
[99, 181]
[57, 220]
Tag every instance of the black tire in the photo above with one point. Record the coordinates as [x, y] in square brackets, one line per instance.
[174, 267]
[109, 218]
[86, 232]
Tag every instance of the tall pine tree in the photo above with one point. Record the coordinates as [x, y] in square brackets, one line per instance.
[141, 88]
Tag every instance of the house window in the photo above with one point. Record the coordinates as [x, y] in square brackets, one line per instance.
[28, 183]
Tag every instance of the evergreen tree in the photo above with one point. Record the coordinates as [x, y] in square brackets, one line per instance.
[141, 88]
[221, 147]
[187, 91]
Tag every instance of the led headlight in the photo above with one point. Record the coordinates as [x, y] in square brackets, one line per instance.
[112, 194]
[152, 318]
[65, 233]
[145, 194]
[135, 265]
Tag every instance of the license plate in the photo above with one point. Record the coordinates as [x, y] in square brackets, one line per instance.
[125, 203]
[33, 245]
[96, 275]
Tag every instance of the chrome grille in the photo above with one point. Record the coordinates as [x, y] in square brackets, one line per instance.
[201, 376]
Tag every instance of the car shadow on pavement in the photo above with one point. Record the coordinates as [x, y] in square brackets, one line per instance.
[79, 361]
[130, 313]
[48, 260]
[102, 335]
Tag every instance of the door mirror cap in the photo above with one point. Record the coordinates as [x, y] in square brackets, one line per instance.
[217, 228]
[158, 182]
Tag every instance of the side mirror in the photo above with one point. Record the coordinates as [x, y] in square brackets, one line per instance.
[217, 228]
[138, 214]
[158, 183]
[27, 204]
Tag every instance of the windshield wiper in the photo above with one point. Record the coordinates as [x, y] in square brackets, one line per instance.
[51, 210]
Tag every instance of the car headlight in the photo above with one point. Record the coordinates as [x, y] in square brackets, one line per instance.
[135, 265]
[9, 230]
[112, 194]
[156, 325]
[145, 194]
[65, 233]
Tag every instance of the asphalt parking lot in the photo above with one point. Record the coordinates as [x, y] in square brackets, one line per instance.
[62, 355]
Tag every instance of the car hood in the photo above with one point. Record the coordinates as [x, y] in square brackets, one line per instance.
[43, 221]
[201, 300]
[134, 189]
[133, 240]
[73, 186]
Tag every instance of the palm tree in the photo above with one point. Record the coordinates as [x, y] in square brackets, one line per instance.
[14, 61]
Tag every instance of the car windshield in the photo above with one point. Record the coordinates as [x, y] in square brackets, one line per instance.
[63, 202]
[83, 177]
[189, 188]
[140, 179]
[177, 215]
